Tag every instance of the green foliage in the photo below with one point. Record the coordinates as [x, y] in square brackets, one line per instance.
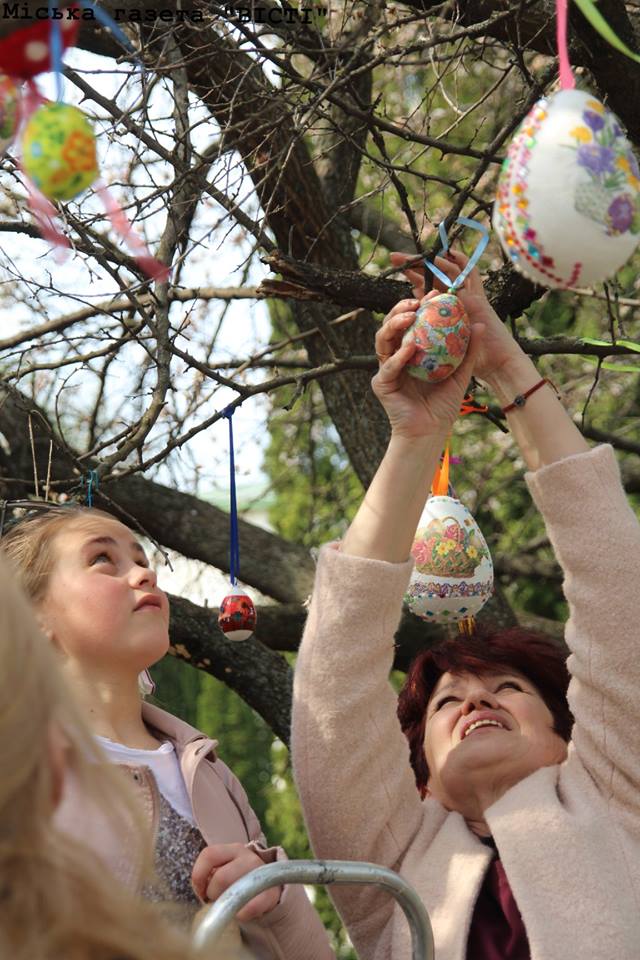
[317, 491]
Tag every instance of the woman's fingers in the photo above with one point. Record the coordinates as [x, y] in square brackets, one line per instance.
[397, 321]
[466, 368]
[415, 275]
[391, 369]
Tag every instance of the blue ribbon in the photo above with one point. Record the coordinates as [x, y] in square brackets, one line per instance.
[57, 46]
[473, 259]
[92, 479]
[234, 539]
[56, 51]
[111, 25]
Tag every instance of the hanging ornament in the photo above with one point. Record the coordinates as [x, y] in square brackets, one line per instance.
[453, 574]
[9, 99]
[441, 329]
[59, 151]
[27, 52]
[237, 617]
[567, 210]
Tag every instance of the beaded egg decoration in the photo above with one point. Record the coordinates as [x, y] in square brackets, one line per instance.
[441, 331]
[453, 574]
[567, 210]
[59, 151]
[237, 617]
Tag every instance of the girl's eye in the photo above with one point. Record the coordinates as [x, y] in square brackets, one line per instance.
[510, 683]
[444, 700]
[101, 557]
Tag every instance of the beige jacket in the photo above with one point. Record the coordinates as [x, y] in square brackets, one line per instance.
[568, 835]
[292, 930]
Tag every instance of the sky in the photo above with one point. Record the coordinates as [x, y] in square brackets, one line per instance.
[216, 261]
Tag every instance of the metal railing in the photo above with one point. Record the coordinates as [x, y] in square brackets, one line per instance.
[319, 872]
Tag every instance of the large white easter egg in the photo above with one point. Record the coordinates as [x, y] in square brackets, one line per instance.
[567, 210]
[453, 574]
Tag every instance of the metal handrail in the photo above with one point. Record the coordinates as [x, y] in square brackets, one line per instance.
[320, 872]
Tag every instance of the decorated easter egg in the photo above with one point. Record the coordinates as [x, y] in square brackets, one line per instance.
[9, 95]
[27, 52]
[441, 330]
[567, 210]
[59, 151]
[237, 617]
[453, 574]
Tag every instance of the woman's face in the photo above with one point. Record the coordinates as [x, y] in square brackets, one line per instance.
[103, 608]
[515, 739]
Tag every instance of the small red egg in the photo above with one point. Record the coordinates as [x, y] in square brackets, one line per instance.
[237, 617]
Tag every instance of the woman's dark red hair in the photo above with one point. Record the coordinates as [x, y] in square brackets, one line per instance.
[534, 655]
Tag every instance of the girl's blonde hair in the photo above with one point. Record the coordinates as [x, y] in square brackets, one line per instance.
[30, 544]
[56, 901]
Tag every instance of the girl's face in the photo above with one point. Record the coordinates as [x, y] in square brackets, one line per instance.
[103, 608]
[513, 738]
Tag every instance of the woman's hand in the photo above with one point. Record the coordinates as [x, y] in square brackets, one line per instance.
[218, 866]
[498, 346]
[416, 408]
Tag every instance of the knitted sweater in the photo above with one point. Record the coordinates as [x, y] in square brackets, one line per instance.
[568, 835]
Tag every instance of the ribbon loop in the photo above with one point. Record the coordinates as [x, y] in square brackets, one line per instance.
[234, 539]
[473, 259]
[440, 484]
[92, 480]
[567, 80]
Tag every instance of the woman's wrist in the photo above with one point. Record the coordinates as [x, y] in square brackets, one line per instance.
[417, 448]
[513, 378]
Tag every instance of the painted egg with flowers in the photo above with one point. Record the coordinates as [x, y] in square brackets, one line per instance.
[237, 617]
[9, 95]
[59, 151]
[567, 210]
[453, 574]
[441, 332]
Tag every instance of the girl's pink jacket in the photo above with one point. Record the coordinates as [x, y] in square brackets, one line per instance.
[568, 835]
[292, 930]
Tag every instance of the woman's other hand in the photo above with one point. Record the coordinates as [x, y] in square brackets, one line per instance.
[416, 408]
[220, 865]
[498, 346]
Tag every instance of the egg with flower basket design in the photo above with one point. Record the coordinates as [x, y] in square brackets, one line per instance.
[567, 209]
[441, 332]
[59, 151]
[453, 574]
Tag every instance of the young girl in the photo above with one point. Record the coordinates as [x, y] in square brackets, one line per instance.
[54, 902]
[99, 603]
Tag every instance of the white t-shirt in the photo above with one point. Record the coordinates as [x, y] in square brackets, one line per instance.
[163, 764]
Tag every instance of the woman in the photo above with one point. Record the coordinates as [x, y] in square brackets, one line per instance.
[99, 603]
[545, 831]
[55, 901]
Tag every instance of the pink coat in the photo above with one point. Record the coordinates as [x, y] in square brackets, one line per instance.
[568, 835]
[292, 930]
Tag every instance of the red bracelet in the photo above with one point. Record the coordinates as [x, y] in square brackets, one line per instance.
[519, 401]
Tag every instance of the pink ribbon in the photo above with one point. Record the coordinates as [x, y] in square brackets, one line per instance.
[567, 80]
[118, 219]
